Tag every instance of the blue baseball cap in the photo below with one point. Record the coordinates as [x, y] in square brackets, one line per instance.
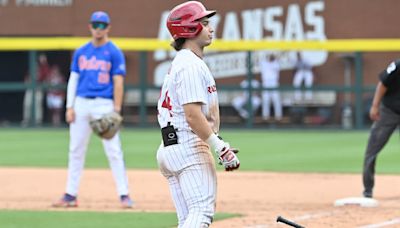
[100, 16]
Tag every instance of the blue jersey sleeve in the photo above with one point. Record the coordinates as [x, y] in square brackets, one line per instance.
[118, 63]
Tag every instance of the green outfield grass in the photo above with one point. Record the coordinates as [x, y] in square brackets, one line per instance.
[263, 150]
[47, 219]
[260, 150]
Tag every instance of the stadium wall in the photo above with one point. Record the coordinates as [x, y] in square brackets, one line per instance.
[252, 19]
[241, 20]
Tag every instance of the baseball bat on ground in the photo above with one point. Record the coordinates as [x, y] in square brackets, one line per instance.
[288, 222]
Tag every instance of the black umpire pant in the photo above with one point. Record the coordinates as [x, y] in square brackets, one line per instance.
[381, 131]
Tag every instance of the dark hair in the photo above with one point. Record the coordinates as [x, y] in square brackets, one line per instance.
[178, 43]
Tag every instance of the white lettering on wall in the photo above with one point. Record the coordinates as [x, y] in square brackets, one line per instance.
[271, 23]
[318, 33]
[294, 25]
[44, 3]
[214, 22]
[163, 34]
[231, 27]
[252, 24]
[257, 24]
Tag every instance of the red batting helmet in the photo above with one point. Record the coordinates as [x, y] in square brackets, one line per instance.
[182, 21]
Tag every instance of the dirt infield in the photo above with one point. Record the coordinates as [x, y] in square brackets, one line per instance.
[260, 197]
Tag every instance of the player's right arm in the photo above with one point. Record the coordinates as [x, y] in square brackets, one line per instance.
[71, 95]
[71, 89]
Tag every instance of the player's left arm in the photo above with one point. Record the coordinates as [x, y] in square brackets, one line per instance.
[118, 72]
[118, 81]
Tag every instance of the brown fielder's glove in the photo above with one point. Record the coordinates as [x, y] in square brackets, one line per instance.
[107, 126]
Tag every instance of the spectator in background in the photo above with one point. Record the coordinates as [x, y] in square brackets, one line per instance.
[270, 70]
[43, 70]
[55, 96]
[302, 74]
[239, 103]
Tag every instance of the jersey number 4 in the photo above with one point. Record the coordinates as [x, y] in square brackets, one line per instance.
[167, 102]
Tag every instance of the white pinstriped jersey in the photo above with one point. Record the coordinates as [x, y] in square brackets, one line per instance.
[189, 165]
[189, 81]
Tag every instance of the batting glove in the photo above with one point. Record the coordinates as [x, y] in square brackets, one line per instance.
[226, 155]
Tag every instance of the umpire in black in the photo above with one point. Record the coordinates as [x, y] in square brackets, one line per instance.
[385, 112]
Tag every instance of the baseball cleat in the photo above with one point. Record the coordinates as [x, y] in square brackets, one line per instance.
[126, 201]
[66, 201]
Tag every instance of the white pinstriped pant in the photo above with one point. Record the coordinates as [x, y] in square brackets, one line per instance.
[80, 132]
[190, 171]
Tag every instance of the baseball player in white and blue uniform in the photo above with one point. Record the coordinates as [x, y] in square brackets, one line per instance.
[189, 120]
[95, 88]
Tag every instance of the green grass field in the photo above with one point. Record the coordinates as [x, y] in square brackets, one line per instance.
[260, 150]
[73, 219]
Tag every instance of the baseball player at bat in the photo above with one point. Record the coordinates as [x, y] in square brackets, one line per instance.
[95, 89]
[188, 114]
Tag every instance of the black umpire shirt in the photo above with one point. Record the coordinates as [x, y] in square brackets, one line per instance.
[390, 78]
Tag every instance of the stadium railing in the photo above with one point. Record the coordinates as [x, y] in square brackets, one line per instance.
[357, 46]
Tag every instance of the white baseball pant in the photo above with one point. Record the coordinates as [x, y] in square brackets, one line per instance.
[80, 132]
[308, 78]
[190, 170]
[267, 96]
